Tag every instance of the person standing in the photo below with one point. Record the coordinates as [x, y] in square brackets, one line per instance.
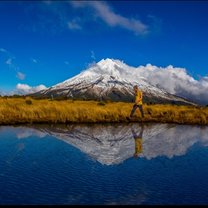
[138, 102]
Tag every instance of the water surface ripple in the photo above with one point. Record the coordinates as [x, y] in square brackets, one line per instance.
[104, 164]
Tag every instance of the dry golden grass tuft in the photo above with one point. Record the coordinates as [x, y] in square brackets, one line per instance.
[28, 110]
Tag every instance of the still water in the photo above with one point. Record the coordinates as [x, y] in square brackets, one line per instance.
[104, 164]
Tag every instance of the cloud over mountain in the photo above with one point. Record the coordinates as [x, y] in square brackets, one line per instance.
[175, 80]
[25, 89]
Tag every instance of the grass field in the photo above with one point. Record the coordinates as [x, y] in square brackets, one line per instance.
[27, 110]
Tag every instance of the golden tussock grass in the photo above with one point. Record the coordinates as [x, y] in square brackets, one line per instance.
[28, 110]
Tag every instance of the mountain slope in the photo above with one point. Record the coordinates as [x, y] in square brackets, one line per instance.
[109, 80]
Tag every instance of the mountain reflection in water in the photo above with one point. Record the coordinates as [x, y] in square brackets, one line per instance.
[115, 143]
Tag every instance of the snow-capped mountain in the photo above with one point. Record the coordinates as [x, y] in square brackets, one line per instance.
[109, 79]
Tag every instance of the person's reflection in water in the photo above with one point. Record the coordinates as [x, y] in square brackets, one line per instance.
[138, 141]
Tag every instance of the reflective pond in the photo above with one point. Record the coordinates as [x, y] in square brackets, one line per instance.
[104, 164]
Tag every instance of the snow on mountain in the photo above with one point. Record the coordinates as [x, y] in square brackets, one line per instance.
[109, 79]
[106, 70]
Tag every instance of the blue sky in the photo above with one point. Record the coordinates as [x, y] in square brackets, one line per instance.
[47, 42]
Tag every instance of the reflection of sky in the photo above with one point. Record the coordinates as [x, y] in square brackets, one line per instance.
[58, 168]
[110, 144]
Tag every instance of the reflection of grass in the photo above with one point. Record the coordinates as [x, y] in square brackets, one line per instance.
[20, 110]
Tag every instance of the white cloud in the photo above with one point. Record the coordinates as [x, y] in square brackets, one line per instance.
[175, 80]
[7, 53]
[103, 11]
[9, 61]
[20, 76]
[34, 60]
[92, 55]
[74, 25]
[3, 50]
[26, 89]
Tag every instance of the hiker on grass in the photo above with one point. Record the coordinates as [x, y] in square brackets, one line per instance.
[138, 102]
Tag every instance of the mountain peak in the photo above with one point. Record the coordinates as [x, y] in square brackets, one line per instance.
[111, 67]
[109, 63]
